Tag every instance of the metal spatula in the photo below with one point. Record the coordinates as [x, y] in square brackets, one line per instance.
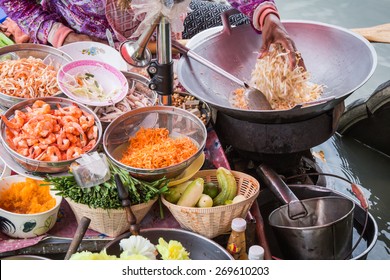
[255, 99]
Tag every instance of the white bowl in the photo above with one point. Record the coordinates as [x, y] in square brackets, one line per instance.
[113, 82]
[27, 225]
[4, 170]
[95, 51]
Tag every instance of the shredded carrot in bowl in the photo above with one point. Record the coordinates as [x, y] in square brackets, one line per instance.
[152, 148]
[27, 197]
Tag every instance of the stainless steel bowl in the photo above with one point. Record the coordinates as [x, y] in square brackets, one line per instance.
[49, 55]
[33, 165]
[179, 122]
[139, 85]
[199, 247]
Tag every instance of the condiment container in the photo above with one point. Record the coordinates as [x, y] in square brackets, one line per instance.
[236, 245]
[256, 252]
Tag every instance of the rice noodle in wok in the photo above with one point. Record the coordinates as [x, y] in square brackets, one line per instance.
[284, 88]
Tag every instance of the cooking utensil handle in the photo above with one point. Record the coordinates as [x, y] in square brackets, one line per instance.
[78, 237]
[227, 28]
[184, 50]
[282, 191]
[126, 203]
[276, 184]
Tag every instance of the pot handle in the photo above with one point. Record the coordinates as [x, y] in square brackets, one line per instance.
[296, 209]
[225, 20]
[126, 203]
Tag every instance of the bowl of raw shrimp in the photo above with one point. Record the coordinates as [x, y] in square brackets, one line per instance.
[29, 71]
[46, 135]
[139, 95]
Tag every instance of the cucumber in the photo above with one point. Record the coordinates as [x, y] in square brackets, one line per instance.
[176, 192]
[192, 193]
[228, 185]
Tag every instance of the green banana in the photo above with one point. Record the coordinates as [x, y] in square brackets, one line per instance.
[228, 185]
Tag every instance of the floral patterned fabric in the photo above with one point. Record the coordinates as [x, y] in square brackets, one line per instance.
[91, 17]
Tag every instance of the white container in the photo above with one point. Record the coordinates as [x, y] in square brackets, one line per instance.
[256, 252]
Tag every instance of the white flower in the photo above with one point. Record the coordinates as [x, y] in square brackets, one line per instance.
[137, 245]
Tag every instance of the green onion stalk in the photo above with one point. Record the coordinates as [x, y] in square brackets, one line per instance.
[105, 195]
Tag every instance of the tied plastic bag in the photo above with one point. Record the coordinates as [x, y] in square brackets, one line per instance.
[91, 170]
[174, 10]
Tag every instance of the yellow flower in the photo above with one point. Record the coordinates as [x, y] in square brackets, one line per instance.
[173, 250]
[86, 255]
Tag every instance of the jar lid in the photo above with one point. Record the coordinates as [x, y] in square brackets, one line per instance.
[256, 252]
[239, 224]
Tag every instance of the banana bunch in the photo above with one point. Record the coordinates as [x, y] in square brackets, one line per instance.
[198, 193]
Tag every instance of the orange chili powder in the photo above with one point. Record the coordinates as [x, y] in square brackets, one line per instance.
[153, 148]
[27, 197]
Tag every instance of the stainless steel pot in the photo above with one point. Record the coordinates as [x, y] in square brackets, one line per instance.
[335, 57]
[316, 228]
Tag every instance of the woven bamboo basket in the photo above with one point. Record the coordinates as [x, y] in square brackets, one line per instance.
[213, 221]
[111, 222]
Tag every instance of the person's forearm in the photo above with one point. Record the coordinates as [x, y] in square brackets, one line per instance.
[31, 18]
[256, 10]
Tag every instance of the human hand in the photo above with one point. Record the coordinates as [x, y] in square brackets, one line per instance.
[274, 32]
[75, 37]
[12, 30]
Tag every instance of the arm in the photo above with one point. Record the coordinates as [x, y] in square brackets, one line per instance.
[265, 18]
[31, 18]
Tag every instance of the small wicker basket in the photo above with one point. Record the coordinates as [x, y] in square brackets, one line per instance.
[213, 221]
[111, 222]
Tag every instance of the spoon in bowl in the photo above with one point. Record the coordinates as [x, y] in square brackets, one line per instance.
[254, 98]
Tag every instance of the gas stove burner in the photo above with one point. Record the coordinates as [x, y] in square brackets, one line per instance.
[291, 167]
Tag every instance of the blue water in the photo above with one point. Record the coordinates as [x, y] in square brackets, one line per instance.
[345, 156]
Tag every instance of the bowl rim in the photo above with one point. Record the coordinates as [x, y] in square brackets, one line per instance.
[55, 100]
[72, 46]
[139, 78]
[84, 63]
[156, 109]
[53, 193]
[30, 47]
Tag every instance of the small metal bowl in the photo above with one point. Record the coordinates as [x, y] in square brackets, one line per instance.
[49, 55]
[192, 104]
[34, 165]
[138, 89]
[179, 122]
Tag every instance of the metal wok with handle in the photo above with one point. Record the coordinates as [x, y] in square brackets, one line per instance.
[335, 57]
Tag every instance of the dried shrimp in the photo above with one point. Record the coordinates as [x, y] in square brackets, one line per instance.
[28, 78]
[47, 134]
[283, 87]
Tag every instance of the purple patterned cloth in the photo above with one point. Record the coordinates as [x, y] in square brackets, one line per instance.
[90, 17]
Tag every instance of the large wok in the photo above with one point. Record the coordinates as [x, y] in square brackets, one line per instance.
[336, 57]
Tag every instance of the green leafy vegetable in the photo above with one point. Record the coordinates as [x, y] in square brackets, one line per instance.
[106, 195]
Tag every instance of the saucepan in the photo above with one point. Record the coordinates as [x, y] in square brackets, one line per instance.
[315, 228]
